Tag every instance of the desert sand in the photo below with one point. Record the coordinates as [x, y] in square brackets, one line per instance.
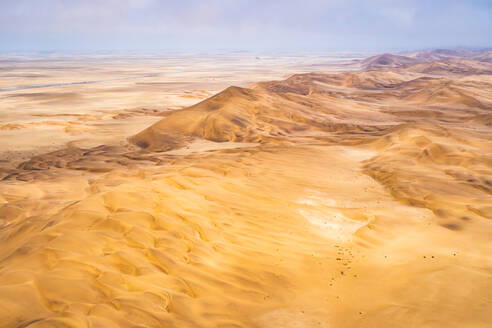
[229, 193]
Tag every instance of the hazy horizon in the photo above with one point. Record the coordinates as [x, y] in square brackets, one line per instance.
[256, 26]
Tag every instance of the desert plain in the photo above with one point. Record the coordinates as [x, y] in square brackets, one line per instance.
[237, 190]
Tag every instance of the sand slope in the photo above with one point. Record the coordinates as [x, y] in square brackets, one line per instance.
[350, 199]
[388, 60]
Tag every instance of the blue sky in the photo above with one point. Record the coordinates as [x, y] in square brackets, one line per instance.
[256, 25]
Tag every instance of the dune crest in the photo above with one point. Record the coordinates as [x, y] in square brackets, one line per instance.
[342, 199]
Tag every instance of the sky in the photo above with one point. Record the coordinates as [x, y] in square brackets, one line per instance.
[242, 25]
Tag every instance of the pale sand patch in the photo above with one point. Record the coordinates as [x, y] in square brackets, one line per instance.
[202, 145]
[356, 153]
[333, 225]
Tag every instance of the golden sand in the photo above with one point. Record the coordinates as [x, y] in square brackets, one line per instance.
[354, 199]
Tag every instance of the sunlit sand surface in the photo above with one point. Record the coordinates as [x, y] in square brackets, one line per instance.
[339, 199]
[92, 100]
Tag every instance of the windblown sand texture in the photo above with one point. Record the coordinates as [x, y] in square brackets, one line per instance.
[344, 199]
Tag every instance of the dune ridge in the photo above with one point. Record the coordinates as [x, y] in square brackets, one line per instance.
[347, 199]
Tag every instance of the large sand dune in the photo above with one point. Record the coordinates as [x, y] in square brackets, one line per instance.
[342, 199]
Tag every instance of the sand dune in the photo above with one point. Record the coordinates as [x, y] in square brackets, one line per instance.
[342, 199]
[387, 60]
[438, 54]
[484, 56]
[459, 66]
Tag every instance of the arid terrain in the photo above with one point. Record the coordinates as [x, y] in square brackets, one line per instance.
[246, 191]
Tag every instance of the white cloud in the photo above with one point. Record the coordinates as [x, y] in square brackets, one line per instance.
[401, 16]
[246, 23]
